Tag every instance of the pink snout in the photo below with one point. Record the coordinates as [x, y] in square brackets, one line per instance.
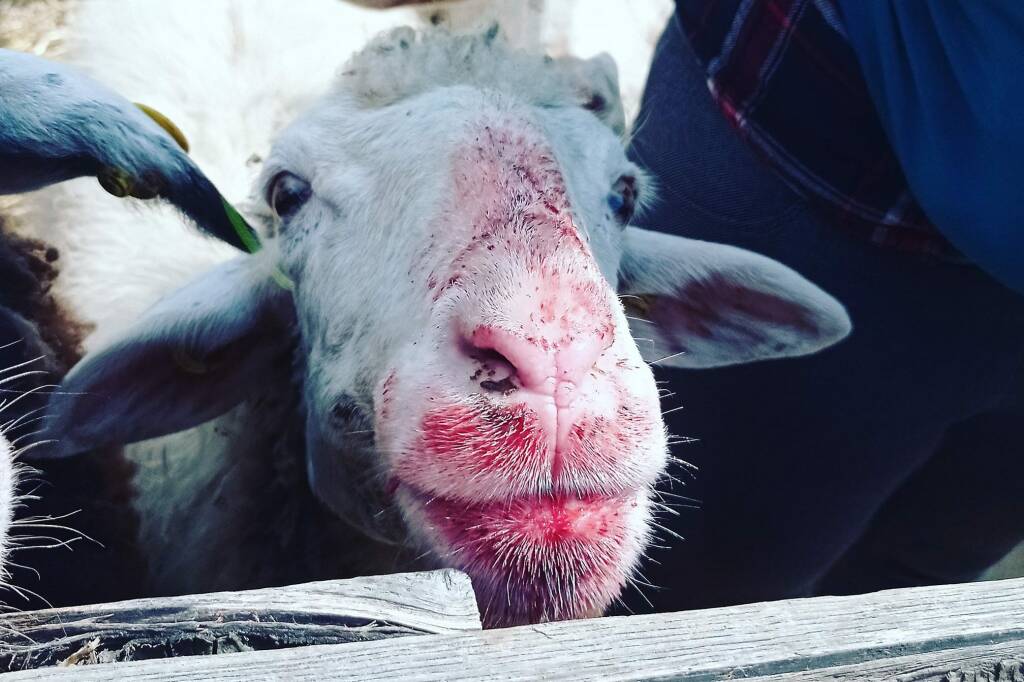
[546, 375]
[543, 367]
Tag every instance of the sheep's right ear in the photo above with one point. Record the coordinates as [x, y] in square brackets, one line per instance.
[699, 304]
[190, 358]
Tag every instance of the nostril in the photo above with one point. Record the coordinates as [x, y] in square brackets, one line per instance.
[494, 372]
[504, 387]
[488, 356]
[506, 361]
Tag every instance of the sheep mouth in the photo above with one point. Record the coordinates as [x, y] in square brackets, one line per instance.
[479, 450]
[535, 558]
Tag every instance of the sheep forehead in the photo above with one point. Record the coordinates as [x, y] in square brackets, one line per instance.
[360, 160]
[337, 132]
[402, 63]
[401, 66]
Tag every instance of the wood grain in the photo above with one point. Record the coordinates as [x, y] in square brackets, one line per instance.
[362, 609]
[1002, 662]
[922, 634]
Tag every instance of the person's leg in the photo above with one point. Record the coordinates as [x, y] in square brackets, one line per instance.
[955, 518]
[796, 456]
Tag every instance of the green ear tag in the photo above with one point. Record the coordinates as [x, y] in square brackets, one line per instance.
[252, 242]
[242, 229]
[283, 280]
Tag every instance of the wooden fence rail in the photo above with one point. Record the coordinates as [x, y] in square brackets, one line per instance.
[949, 633]
[332, 612]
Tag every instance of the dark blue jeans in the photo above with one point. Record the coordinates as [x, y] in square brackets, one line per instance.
[895, 458]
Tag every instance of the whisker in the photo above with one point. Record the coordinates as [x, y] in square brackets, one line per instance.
[668, 357]
[30, 373]
[20, 364]
[14, 443]
[25, 592]
[669, 531]
[679, 497]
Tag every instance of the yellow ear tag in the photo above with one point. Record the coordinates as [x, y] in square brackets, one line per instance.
[165, 123]
[117, 182]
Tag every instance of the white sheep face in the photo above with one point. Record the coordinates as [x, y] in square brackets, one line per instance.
[471, 384]
[512, 410]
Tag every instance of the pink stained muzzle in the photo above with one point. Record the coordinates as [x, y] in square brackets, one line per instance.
[534, 559]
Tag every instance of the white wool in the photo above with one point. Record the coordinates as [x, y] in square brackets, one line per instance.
[12, 473]
[627, 30]
[247, 69]
[403, 63]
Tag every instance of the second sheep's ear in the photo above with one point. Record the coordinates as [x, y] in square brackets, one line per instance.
[191, 357]
[597, 84]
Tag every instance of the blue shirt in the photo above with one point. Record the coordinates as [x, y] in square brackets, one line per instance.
[947, 79]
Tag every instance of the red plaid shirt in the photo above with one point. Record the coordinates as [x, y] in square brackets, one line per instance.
[784, 74]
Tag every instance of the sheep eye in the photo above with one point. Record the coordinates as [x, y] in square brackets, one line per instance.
[288, 192]
[622, 199]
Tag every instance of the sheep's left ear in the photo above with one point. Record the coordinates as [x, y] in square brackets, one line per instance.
[699, 304]
[597, 88]
[191, 357]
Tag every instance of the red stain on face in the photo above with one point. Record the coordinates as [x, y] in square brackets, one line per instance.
[479, 441]
[601, 445]
[509, 195]
[537, 558]
[386, 396]
[483, 449]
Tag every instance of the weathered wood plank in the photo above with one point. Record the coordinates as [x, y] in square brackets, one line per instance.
[745, 641]
[986, 663]
[338, 611]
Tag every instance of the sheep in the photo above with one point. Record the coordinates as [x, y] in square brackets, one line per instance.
[102, 482]
[543, 499]
[86, 300]
[393, 403]
[60, 124]
[27, 357]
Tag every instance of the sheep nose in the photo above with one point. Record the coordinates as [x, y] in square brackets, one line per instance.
[539, 364]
